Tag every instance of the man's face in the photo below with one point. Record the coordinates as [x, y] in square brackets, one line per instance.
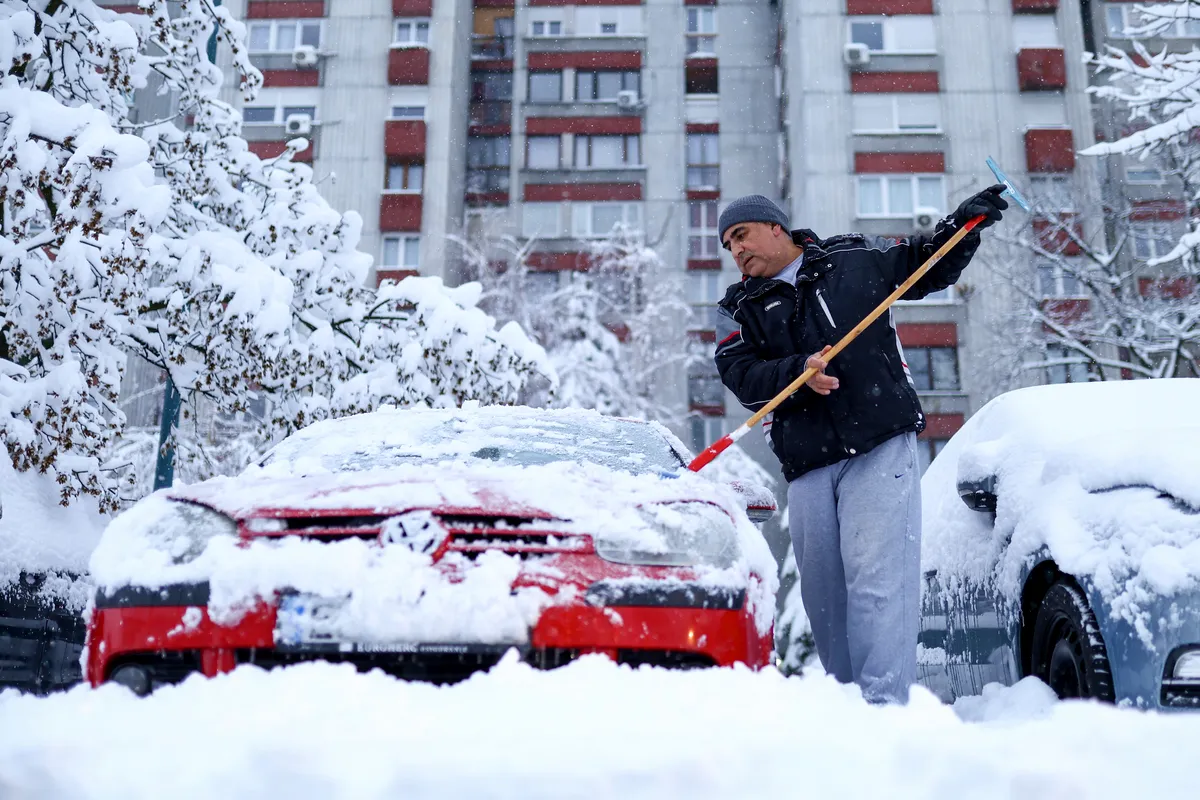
[758, 248]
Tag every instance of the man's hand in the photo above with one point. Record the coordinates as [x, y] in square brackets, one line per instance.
[987, 204]
[820, 383]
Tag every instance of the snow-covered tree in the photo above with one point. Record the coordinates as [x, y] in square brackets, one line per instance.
[169, 240]
[1083, 307]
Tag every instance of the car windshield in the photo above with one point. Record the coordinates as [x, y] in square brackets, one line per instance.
[499, 435]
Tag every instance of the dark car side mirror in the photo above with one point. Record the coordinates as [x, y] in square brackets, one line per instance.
[760, 503]
[979, 495]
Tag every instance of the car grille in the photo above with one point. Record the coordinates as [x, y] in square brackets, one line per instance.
[334, 528]
[471, 535]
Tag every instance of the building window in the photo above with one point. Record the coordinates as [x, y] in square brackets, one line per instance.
[545, 87]
[899, 34]
[411, 32]
[933, 369]
[408, 112]
[401, 252]
[607, 152]
[283, 35]
[1141, 172]
[704, 290]
[488, 159]
[1125, 22]
[702, 230]
[1035, 31]
[1054, 281]
[1052, 192]
[896, 113]
[1152, 241]
[275, 115]
[594, 220]
[705, 430]
[541, 220]
[1044, 110]
[927, 451]
[703, 161]
[601, 86]
[491, 86]
[701, 31]
[404, 177]
[705, 391]
[701, 80]
[1067, 366]
[543, 152]
[608, 29]
[545, 27]
[539, 286]
[882, 196]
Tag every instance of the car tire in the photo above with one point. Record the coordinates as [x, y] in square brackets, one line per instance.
[1067, 651]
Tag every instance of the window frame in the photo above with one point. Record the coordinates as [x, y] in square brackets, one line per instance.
[709, 427]
[282, 112]
[547, 34]
[273, 26]
[595, 80]
[393, 116]
[631, 216]
[699, 36]
[1065, 190]
[1024, 24]
[910, 357]
[406, 171]
[544, 138]
[704, 233]
[889, 34]
[1154, 233]
[401, 240]
[526, 230]
[703, 384]
[914, 178]
[703, 290]
[558, 73]
[414, 23]
[1069, 371]
[587, 140]
[895, 99]
[1142, 166]
[702, 166]
[1059, 279]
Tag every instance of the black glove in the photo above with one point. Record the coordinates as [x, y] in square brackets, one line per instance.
[987, 204]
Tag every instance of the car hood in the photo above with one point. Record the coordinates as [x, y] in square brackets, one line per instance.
[574, 492]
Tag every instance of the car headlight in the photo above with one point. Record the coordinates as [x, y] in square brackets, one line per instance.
[183, 529]
[1187, 666]
[676, 535]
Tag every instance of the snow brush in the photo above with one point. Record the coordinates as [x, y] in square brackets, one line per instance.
[720, 445]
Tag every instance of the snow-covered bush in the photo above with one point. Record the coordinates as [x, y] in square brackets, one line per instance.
[169, 241]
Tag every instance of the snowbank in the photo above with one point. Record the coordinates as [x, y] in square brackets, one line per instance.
[590, 729]
[1079, 471]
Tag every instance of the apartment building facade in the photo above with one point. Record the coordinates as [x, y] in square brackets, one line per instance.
[557, 119]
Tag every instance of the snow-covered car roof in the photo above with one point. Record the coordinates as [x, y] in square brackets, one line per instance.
[1106, 476]
[503, 434]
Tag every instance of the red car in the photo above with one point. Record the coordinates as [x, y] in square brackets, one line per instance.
[428, 543]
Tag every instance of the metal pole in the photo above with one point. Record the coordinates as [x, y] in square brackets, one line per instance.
[164, 467]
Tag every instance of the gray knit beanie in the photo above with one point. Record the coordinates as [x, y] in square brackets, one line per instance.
[751, 208]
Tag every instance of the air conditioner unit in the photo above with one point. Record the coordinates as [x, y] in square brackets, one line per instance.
[925, 220]
[298, 124]
[856, 54]
[305, 56]
[628, 100]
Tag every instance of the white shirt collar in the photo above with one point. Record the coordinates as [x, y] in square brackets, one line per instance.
[790, 272]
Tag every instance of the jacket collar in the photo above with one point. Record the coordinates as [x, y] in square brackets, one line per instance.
[816, 263]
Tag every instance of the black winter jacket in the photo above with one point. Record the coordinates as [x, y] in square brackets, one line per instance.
[766, 330]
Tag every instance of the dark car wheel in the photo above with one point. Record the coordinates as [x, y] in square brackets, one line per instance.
[1067, 650]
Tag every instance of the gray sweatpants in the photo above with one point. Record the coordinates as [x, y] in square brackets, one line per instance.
[856, 529]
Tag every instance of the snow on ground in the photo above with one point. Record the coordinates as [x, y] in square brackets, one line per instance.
[591, 729]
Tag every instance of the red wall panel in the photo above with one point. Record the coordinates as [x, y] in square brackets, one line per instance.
[592, 59]
[928, 334]
[404, 138]
[594, 125]
[899, 162]
[894, 82]
[400, 212]
[551, 192]
[889, 6]
[1049, 150]
[284, 9]
[408, 66]
[1041, 68]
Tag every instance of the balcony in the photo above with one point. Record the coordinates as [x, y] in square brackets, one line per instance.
[1034, 5]
[488, 180]
[487, 113]
[408, 66]
[412, 8]
[1049, 150]
[491, 48]
[1041, 69]
[404, 138]
[400, 212]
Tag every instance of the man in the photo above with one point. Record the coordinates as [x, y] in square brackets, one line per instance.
[847, 439]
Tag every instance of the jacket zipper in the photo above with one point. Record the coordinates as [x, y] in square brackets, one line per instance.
[825, 308]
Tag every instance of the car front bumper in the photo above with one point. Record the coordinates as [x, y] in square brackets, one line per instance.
[169, 634]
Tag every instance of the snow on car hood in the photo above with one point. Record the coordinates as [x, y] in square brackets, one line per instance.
[393, 591]
[1079, 469]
